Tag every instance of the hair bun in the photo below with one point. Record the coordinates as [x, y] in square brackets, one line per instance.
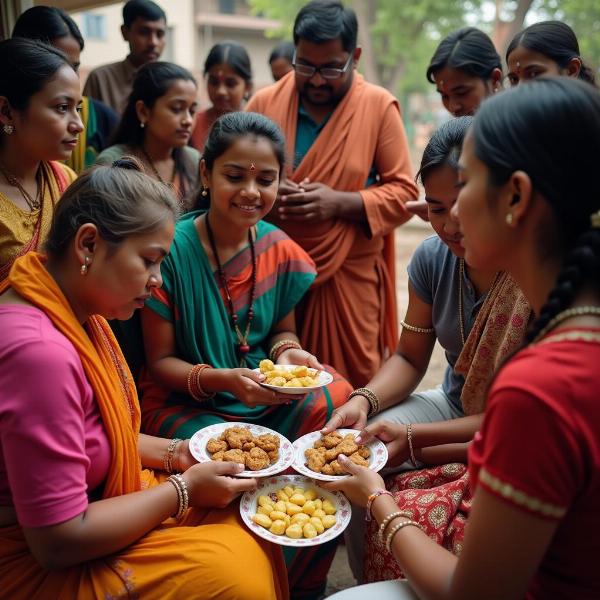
[128, 162]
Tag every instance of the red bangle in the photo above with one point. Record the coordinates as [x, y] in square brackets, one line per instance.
[193, 382]
[371, 499]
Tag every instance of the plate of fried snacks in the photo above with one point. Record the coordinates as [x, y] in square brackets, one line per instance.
[264, 451]
[292, 379]
[292, 510]
[315, 455]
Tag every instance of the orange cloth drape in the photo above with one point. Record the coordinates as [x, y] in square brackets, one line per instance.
[349, 318]
[103, 364]
[204, 121]
[186, 559]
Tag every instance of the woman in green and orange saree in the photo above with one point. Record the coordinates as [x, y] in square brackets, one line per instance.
[230, 285]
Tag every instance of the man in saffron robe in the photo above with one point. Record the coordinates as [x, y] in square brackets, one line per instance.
[349, 176]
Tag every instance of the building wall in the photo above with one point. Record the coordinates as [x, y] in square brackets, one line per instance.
[189, 38]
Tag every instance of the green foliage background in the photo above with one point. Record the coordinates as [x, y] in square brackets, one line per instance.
[405, 33]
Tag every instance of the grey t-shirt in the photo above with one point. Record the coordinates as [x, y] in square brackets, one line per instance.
[434, 273]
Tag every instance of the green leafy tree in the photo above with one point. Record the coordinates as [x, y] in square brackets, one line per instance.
[584, 17]
[397, 38]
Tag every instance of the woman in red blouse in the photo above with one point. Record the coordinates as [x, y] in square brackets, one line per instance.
[529, 205]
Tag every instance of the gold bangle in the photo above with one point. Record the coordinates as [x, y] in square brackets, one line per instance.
[395, 529]
[411, 451]
[371, 396]
[416, 329]
[168, 458]
[388, 519]
[274, 355]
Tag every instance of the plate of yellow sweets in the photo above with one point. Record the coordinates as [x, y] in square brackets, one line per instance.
[315, 455]
[292, 510]
[263, 451]
[292, 379]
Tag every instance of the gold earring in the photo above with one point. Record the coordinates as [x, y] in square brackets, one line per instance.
[204, 192]
[84, 267]
[509, 219]
[8, 129]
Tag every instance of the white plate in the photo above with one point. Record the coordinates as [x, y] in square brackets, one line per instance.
[325, 378]
[377, 460]
[248, 507]
[199, 440]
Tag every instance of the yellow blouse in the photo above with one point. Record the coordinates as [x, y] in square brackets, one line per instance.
[18, 226]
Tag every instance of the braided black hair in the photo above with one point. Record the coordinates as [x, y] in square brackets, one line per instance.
[550, 129]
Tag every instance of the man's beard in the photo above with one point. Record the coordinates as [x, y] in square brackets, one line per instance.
[328, 99]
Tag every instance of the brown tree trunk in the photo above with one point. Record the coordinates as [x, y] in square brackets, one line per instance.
[365, 14]
[504, 31]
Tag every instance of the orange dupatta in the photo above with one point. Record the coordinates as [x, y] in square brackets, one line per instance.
[341, 157]
[104, 366]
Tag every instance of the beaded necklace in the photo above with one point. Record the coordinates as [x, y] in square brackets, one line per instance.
[577, 311]
[151, 164]
[243, 347]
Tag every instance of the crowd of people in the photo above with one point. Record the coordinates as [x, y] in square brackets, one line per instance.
[151, 255]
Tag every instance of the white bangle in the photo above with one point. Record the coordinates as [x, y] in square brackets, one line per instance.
[182, 494]
[395, 529]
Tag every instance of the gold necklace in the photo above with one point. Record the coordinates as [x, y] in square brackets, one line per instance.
[576, 311]
[33, 203]
[151, 164]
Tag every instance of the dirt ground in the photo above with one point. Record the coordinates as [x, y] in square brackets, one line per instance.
[408, 237]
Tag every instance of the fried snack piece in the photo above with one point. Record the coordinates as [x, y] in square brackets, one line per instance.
[266, 365]
[327, 469]
[295, 382]
[329, 441]
[267, 442]
[257, 459]
[347, 446]
[235, 455]
[236, 437]
[300, 371]
[337, 468]
[357, 459]
[364, 451]
[296, 376]
[322, 458]
[214, 445]
[316, 459]
[238, 444]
